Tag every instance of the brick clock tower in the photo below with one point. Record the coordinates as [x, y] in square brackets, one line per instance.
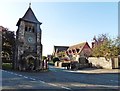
[28, 54]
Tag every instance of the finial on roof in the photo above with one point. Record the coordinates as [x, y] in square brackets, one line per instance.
[30, 5]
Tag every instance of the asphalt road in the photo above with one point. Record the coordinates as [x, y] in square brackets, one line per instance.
[59, 79]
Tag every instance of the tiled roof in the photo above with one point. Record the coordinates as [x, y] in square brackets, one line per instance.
[29, 16]
[60, 48]
[80, 46]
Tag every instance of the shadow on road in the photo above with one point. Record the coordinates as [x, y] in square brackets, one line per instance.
[77, 81]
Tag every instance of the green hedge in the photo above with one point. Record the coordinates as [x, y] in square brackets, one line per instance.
[55, 59]
[50, 62]
[6, 66]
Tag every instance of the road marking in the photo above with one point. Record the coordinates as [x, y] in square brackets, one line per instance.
[32, 78]
[52, 84]
[11, 73]
[113, 81]
[4, 70]
[8, 72]
[116, 81]
[25, 76]
[42, 81]
[66, 88]
[19, 75]
[39, 80]
[15, 74]
[108, 86]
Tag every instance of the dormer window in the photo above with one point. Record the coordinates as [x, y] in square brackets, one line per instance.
[73, 51]
[77, 50]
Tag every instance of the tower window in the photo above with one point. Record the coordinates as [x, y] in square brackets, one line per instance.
[25, 28]
[29, 47]
[30, 30]
[33, 30]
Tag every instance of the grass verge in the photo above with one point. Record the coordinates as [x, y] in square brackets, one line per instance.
[7, 66]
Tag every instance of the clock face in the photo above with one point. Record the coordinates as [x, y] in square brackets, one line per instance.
[31, 40]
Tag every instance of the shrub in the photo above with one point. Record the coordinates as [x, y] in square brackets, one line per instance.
[7, 66]
[55, 59]
[44, 57]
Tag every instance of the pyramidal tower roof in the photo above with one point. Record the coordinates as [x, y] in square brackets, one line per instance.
[29, 16]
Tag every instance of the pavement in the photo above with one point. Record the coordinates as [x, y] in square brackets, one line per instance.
[89, 70]
[93, 70]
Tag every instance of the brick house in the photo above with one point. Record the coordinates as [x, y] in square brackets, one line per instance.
[81, 49]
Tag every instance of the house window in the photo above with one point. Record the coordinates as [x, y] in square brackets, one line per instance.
[69, 51]
[66, 52]
[73, 51]
[77, 50]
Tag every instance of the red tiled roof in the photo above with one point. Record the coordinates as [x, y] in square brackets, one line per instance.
[80, 46]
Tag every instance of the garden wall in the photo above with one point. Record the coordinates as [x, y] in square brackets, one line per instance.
[101, 62]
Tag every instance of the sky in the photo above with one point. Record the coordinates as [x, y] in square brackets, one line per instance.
[65, 23]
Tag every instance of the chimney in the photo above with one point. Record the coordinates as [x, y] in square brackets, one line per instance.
[93, 44]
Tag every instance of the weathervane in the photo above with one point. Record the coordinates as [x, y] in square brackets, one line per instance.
[30, 4]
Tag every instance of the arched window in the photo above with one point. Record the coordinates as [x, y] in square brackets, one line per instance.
[30, 30]
[33, 30]
[25, 28]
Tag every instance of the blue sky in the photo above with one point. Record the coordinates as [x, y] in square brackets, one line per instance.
[65, 23]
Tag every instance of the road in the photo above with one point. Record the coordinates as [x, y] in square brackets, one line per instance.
[58, 79]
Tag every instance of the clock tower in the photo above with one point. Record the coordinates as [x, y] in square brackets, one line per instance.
[28, 54]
